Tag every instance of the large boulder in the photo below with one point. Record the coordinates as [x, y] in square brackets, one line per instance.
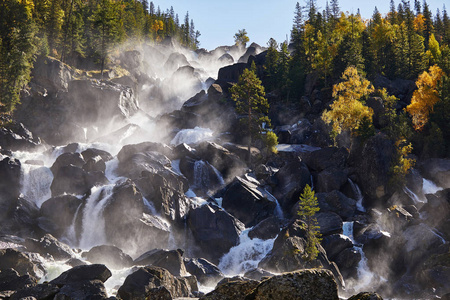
[436, 170]
[329, 223]
[325, 158]
[40, 291]
[337, 202]
[292, 179]
[335, 244]
[23, 263]
[59, 212]
[49, 246]
[10, 280]
[236, 288]
[51, 74]
[86, 289]
[223, 160]
[202, 176]
[248, 202]
[308, 284]
[171, 260]
[110, 256]
[266, 229]
[67, 159]
[214, 230]
[10, 172]
[146, 283]
[330, 179]
[83, 273]
[231, 73]
[91, 102]
[206, 272]
[15, 136]
[372, 166]
[366, 296]
[74, 180]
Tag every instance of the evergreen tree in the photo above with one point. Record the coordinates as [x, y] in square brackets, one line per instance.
[335, 10]
[298, 17]
[418, 7]
[145, 6]
[249, 95]
[152, 8]
[308, 207]
[270, 66]
[392, 16]
[17, 49]
[241, 39]
[428, 24]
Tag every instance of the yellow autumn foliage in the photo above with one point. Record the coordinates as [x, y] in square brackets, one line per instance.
[348, 110]
[425, 97]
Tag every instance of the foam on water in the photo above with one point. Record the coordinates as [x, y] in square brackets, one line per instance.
[246, 255]
[93, 232]
[192, 136]
[358, 195]
[429, 187]
[36, 182]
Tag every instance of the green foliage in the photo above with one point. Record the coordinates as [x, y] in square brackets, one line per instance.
[402, 162]
[17, 49]
[271, 141]
[308, 208]
[249, 95]
[241, 38]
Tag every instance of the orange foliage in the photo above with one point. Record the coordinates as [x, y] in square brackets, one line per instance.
[425, 97]
[419, 23]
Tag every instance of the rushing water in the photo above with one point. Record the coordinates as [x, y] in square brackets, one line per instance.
[358, 195]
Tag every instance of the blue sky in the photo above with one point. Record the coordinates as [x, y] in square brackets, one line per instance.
[218, 21]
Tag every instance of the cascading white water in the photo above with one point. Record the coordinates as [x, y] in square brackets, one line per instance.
[36, 182]
[246, 255]
[429, 187]
[413, 196]
[358, 195]
[93, 225]
[71, 234]
[365, 276]
[192, 136]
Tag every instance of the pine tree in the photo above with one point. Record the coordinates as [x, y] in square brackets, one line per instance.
[152, 8]
[298, 17]
[428, 24]
[270, 66]
[249, 95]
[392, 16]
[308, 207]
[240, 38]
[335, 10]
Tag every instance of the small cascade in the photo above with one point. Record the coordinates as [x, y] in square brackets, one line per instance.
[93, 230]
[71, 234]
[192, 136]
[36, 182]
[246, 255]
[413, 196]
[312, 183]
[358, 195]
[365, 276]
[206, 177]
[201, 176]
[429, 187]
[278, 210]
[435, 232]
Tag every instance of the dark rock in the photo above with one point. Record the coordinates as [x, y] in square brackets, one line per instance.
[92, 152]
[10, 172]
[223, 160]
[66, 159]
[83, 273]
[372, 166]
[242, 151]
[348, 261]
[206, 272]
[143, 283]
[151, 162]
[326, 158]
[21, 262]
[14, 136]
[257, 274]
[10, 280]
[292, 179]
[251, 51]
[305, 284]
[436, 170]
[39, 292]
[266, 229]
[75, 180]
[226, 59]
[338, 203]
[60, 212]
[51, 74]
[202, 176]
[215, 230]
[436, 211]
[335, 244]
[110, 256]
[184, 150]
[231, 73]
[48, 245]
[171, 260]
[233, 289]
[91, 102]
[330, 179]
[366, 296]
[95, 164]
[75, 262]
[85, 289]
[131, 59]
[248, 202]
[23, 219]
[127, 151]
[175, 61]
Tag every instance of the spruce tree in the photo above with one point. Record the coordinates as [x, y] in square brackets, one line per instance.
[270, 66]
[308, 208]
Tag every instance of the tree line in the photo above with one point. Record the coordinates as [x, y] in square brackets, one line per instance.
[76, 32]
[342, 52]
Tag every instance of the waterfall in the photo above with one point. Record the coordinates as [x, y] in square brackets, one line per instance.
[358, 195]
[71, 234]
[93, 230]
[204, 178]
[413, 196]
[429, 187]
[36, 182]
[365, 276]
[192, 136]
[246, 255]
